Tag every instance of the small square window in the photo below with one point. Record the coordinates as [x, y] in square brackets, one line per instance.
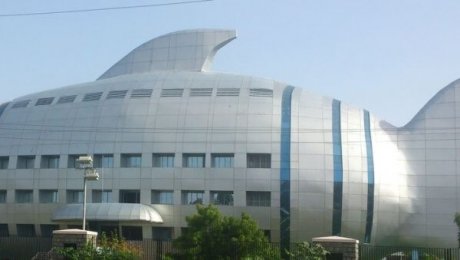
[25, 230]
[258, 198]
[221, 198]
[4, 232]
[46, 230]
[24, 196]
[130, 196]
[162, 233]
[192, 197]
[26, 162]
[4, 161]
[163, 197]
[2, 196]
[48, 196]
[74, 196]
[102, 196]
[163, 160]
[103, 161]
[222, 160]
[193, 160]
[131, 160]
[49, 162]
[258, 160]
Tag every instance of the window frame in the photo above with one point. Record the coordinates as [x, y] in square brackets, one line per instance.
[189, 160]
[217, 157]
[49, 161]
[4, 162]
[106, 196]
[103, 160]
[162, 197]
[258, 160]
[195, 199]
[126, 160]
[42, 195]
[124, 193]
[163, 160]
[213, 197]
[25, 162]
[73, 193]
[23, 192]
[257, 199]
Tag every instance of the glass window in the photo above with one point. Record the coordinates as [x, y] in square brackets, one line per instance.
[74, 196]
[258, 198]
[131, 160]
[2, 196]
[221, 197]
[49, 162]
[192, 197]
[193, 160]
[163, 160]
[24, 196]
[131, 233]
[72, 160]
[26, 161]
[162, 233]
[163, 197]
[102, 196]
[46, 230]
[222, 160]
[4, 230]
[48, 196]
[130, 196]
[4, 161]
[25, 230]
[258, 160]
[103, 161]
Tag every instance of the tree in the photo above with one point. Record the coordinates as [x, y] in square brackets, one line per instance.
[308, 251]
[210, 235]
[457, 221]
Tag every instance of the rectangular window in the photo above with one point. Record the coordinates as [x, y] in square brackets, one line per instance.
[162, 233]
[258, 198]
[46, 230]
[193, 160]
[4, 230]
[190, 197]
[74, 196]
[26, 161]
[25, 230]
[2, 196]
[103, 161]
[72, 160]
[131, 160]
[130, 196]
[24, 196]
[222, 160]
[131, 232]
[221, 198]
[49, 162]
[258, 160]
[163, 160]
[4, 161]
[102, 196]
[163, 197]
[48, 196]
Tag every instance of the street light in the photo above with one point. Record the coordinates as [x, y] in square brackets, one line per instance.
[86, 163]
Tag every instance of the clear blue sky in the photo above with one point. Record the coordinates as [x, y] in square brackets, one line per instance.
[389, 57]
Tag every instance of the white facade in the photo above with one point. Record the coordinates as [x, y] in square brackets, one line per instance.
[170, 133]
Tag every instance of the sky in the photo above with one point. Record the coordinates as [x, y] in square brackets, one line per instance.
[389, 57]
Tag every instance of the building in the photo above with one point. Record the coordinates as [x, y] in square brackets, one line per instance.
[166, 132]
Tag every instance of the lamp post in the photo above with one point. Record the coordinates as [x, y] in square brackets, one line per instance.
[90, 174]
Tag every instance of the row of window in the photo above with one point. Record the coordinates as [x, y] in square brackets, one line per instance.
[127, 232]
[147, 93]
[134, 160]
[188, 197]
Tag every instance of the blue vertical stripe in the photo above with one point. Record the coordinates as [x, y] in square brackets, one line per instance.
[3, 107]
[370, 178]
[338, 168]
[285, 169]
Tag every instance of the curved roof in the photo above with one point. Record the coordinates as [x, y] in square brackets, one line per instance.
[189, 50]
[108, 212]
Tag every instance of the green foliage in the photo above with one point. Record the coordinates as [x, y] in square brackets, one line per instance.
[109, 248]
[308, 251]
[212, 236]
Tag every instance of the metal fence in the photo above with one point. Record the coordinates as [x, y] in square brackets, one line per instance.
[369, 252]
[27, 247]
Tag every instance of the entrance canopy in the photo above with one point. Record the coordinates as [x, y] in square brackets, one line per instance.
[108, 212]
